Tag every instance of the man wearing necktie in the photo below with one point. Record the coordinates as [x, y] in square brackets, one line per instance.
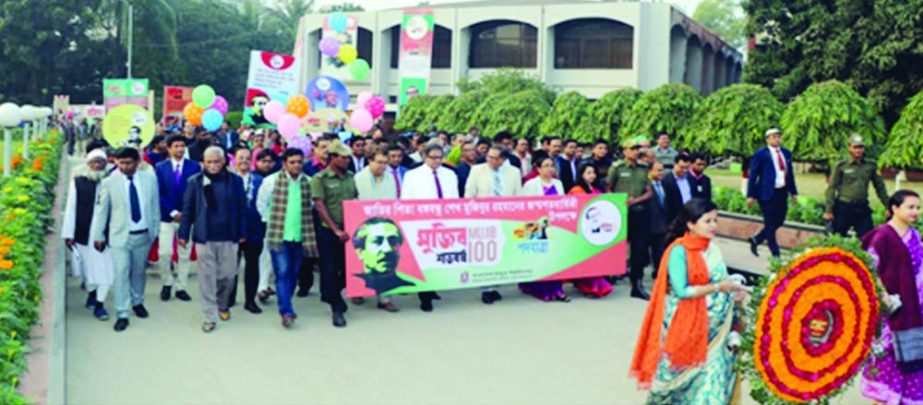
[493, 179]
[772, 183]
[127, 207]
[659, 218]
[430, 181]
[172, 177]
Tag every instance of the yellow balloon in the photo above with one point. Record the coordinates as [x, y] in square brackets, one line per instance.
[348, 54]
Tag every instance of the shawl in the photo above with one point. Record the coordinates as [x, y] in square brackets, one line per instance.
[276, 225]
[895, 269]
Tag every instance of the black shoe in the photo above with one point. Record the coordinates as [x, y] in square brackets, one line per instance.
[91, 300]
[753, 246]
[637, 291]
[253, 308]
[426, 305]
[339, 320]
[165, 294]
[487, 297]
[140, 311]
[183, 296]
[120, 324]
[497, 296]
[303, 292]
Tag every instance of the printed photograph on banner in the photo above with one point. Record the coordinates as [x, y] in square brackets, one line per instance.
[271, 76]
[128, 125]
[410, 246]
[415, 58]
[326, 92]
[332, 65]
[324, 121]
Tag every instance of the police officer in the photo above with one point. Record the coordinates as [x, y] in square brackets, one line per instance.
[630, 177]
[847, 194]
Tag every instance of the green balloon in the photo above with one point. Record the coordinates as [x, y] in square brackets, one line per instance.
[359, 69]
[203, 95]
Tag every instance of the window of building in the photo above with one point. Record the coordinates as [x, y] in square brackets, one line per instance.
[496, 44]
[442, 47]
[363, 46]
[593, 44]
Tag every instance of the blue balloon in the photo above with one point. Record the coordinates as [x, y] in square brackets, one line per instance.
[338, 21]
[212, 119]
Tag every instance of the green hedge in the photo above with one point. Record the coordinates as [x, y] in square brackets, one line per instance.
[732, 121]
[608, 113]
[905, 143]
[569, 118]
[25, 208]
[668, 108]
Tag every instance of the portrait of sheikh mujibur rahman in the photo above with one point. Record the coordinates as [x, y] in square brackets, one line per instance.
[378, 242]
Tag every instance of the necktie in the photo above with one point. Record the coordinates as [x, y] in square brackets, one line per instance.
[498, 185]
[177, 174]
[438, 185]
[573, 169]
[133, 200]
[659, 189]
[397, 182]
[780, 161]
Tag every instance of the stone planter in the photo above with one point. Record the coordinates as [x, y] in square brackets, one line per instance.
[741, 227]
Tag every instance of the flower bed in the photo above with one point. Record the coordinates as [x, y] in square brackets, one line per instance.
[26, 200]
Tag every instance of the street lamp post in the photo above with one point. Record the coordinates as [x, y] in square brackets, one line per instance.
[10, 116]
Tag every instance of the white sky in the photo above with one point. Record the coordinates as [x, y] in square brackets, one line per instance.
[371, 5]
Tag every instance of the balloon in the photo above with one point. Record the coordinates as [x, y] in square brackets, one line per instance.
[220, 104]
[193, 114]
[273, 111]
[338, 21]
[348, 53]
[375, 106]
[212, 119]
[289, 125]
[363, 97]
[359, 69]
[301, 142]
[203, 95]
[329, 46]
[298, 105]
[361, 120]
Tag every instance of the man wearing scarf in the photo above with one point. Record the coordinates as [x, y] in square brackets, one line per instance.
[95, 267]
[284, 201]
[214, 207]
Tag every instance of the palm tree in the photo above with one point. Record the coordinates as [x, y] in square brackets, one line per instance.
[287, 13]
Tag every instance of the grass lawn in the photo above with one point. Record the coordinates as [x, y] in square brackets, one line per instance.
[809, 184]
[15, 146]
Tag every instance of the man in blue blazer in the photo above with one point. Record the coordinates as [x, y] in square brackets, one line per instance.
[772, 183]
[172, 177]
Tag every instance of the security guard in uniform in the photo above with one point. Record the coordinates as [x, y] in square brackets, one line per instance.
[630, 177]
[847, 194]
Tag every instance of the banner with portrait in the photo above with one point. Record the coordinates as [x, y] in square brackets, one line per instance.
[271, 76]
[405, 246]
[416, 53]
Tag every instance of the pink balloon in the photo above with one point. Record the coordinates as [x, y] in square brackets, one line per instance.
[375, 106]
[361, 120]
[301, 142]
[274, 111]
[221, 105]
[289, 125]
[329, 46]
[363, 98]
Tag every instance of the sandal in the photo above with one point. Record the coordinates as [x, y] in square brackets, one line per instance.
[208, 327]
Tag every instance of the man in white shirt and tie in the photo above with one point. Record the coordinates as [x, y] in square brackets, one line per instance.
[127, 208]
[493, 179]
[771, 182]
[430, 181]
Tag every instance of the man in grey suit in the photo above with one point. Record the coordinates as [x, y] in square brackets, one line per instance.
[128, 216]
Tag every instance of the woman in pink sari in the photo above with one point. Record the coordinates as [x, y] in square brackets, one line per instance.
[591, 287]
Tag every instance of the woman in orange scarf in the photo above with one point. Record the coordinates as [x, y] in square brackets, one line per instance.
[682, 353]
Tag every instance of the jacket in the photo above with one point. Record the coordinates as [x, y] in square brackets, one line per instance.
[113, 209]
[195, 209]
[762, 182]
[171, 194]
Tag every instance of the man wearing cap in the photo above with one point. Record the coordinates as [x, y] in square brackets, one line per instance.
[772, 183]
[329, 189]
[847, 194]
[627, 176]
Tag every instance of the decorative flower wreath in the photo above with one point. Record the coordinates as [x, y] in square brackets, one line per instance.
[814, 321]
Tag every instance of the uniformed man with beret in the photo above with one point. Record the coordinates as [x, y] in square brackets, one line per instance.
[847, 194]
[630, 177]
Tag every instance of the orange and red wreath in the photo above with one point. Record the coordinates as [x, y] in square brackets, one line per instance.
[815, 324]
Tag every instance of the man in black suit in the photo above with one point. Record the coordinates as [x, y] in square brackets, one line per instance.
[677, 186]
[504, 140]
[568, 163]
[701, 183]
[771, 182]
[658, 224]
[227, 137]
[357, 160]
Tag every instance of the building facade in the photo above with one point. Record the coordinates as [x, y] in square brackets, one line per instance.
[592, 47]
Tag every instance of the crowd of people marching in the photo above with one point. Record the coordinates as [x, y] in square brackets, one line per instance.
[242, 195]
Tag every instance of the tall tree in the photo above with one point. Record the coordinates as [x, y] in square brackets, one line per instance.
[725, 18]
[286, 14]
[874, 46]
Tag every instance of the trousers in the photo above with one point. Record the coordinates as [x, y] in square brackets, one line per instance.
[857, 216]
[130, 279]
[774, 211]
[332, 269]
[168, 232]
